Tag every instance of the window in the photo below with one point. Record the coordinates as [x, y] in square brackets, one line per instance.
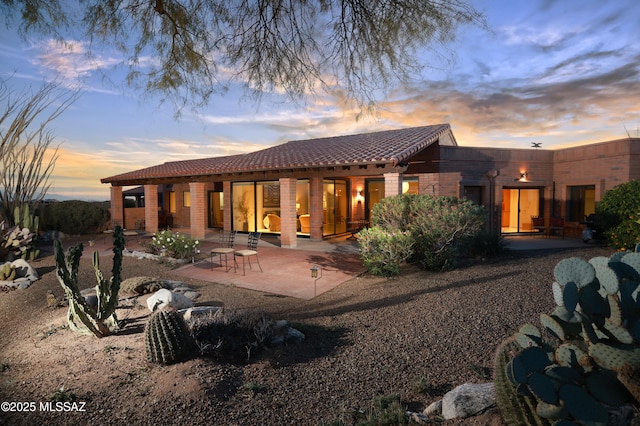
[186, 199]
[172, 202]
[243, 206]
[410, 186]
[581, 202]
[473, 193]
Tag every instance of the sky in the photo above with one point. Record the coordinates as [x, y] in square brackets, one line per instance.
[559, 73]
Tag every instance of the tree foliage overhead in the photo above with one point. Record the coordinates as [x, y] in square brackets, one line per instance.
[188, 50]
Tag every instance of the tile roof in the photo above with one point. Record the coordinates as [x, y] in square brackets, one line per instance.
[389, 147]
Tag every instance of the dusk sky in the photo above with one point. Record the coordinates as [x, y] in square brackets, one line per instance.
[559, 73]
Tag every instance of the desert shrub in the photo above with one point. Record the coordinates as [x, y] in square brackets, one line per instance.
[442, 228]
[383, 251]
[178, 245]
[394, 213]
[445, 228]
[619, 212]
[75, 217]
[488, 244]
[231, 334]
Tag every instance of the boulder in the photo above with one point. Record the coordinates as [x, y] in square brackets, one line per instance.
[198, 311]
[164, 298]
[25, 275]
[468, 400]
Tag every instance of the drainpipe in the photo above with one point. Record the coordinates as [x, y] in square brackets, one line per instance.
[491, 175]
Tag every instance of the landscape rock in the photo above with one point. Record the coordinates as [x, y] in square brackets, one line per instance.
[198, 311]
[468, 400]
[164, 298]
[284, 333]
[25, 275]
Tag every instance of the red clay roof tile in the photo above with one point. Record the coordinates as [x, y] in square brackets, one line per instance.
[390, 146]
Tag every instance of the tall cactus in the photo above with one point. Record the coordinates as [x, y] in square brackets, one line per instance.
[81, 317]
[107, 290]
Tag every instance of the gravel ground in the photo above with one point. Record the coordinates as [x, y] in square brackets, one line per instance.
[367, 338]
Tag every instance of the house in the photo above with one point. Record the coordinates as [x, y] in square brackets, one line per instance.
[322, 187]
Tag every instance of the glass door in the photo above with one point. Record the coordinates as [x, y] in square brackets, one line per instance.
[335, 206]
[216, 209]
[518, 206]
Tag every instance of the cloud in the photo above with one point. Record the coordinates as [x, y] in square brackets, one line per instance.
[72, 62]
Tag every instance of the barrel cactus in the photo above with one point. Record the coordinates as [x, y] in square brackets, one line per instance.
[167, 339]
[589, 367]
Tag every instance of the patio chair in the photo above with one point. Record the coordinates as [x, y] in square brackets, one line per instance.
[251, 250]
[226, 240]
[537, 225]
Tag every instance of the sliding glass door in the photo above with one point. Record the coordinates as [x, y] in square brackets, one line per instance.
[335, 206]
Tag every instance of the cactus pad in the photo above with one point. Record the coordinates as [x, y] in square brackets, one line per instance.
[582, 406]
[606, 276]
[543, 388]
[613, 358]
[528, 336]
[606, 388]
[575, 270]
[633, 260]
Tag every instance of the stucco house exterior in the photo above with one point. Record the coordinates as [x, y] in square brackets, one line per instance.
[317, 188]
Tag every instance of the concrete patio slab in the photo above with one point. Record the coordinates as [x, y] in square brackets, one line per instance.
[285, 272]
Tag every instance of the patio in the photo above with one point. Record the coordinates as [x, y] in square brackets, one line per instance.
[287, 272]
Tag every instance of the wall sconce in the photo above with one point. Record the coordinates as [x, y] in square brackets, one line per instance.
[297, 207]
[523, 177]
[316, 274]
[359, 196]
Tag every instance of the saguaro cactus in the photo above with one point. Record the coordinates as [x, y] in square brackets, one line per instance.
[82, 318]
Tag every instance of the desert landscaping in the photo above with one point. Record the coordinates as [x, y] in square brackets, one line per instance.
[416, 336]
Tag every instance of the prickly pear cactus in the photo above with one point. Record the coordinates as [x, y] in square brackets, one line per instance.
[590, 366]
[167, 339]
[82, 318]
[7, 272]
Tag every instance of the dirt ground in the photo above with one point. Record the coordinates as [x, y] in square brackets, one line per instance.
[367, 338]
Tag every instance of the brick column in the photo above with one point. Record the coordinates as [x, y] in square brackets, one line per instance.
[117, 206]
[316, 211]
[198, 210]
[392, 184]
[151, 208]
[288, 220]
[227, 222]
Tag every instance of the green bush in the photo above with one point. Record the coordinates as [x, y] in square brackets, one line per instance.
[383, 251]
[393, 213]
[178, 246]
[618, 213]
[444, 228]
[75, 217]
[441, 228]
[488, 244]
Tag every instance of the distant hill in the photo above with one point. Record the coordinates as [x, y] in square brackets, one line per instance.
[58, 197]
